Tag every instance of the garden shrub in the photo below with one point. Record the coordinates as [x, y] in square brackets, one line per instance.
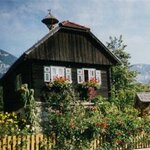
[8, 124]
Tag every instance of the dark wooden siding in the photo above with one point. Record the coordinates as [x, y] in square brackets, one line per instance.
[104, 86]
[38, 76]
[11, 101]
[71, 46]
[37, 79]
[32, 73]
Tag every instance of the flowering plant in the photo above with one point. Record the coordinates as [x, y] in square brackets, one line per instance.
[58, 84]
[93, 82]
[8, 123]
[87, 90]
[55, 91]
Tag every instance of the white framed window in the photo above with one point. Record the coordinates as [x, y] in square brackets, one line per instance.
[86, 74]
[57, 72]
[51, 72]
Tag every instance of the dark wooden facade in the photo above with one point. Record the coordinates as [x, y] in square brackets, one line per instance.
[69, 45]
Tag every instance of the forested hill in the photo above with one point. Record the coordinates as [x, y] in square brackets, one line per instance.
[144, 72]
[6, 60]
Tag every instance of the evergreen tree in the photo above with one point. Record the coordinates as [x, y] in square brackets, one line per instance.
[124, 87]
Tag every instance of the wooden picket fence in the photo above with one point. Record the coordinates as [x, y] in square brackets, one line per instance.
[29, 142]
[138, 142]
[43, 142]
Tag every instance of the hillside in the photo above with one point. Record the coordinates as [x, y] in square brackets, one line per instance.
[144, 72]
[6, 60]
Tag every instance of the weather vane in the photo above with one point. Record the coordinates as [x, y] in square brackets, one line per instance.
[49, 11]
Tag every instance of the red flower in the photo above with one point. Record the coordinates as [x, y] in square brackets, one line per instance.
[97, 124]
[104, 125]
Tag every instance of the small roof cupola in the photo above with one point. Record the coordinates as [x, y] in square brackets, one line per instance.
[50, 20]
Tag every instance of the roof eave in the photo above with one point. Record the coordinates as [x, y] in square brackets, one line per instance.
[51, 33]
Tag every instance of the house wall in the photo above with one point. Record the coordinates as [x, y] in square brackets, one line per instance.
[11, 85]
[38, 76]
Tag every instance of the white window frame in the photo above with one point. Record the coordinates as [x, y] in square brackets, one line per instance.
[57, 74]
[92, 73]
[49, 74]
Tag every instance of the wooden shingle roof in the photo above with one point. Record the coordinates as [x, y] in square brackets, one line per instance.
[144, 96]
[73, 25]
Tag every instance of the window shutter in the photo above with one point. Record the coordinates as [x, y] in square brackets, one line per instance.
[98, 76]
[47, 69]
[46, 77]
[46, 74]
[91, 73]
[68, 75]
[80, 76]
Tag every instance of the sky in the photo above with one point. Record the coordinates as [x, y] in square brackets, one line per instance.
[21, 26]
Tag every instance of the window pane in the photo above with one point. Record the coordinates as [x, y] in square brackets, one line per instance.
[54, 71]
[60, 72]
[86, 75]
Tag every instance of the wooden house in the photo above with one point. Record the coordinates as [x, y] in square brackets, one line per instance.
[142, 103]
[70, 50]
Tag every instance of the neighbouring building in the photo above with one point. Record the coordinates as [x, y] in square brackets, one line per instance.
[142, 103]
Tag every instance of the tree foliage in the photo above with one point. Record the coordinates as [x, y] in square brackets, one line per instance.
[1, 99]
[124, 87]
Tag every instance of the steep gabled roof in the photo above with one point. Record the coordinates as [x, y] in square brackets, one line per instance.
[62, 25]
[72, 26]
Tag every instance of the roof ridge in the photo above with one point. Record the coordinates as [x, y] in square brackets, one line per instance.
[70, 24]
